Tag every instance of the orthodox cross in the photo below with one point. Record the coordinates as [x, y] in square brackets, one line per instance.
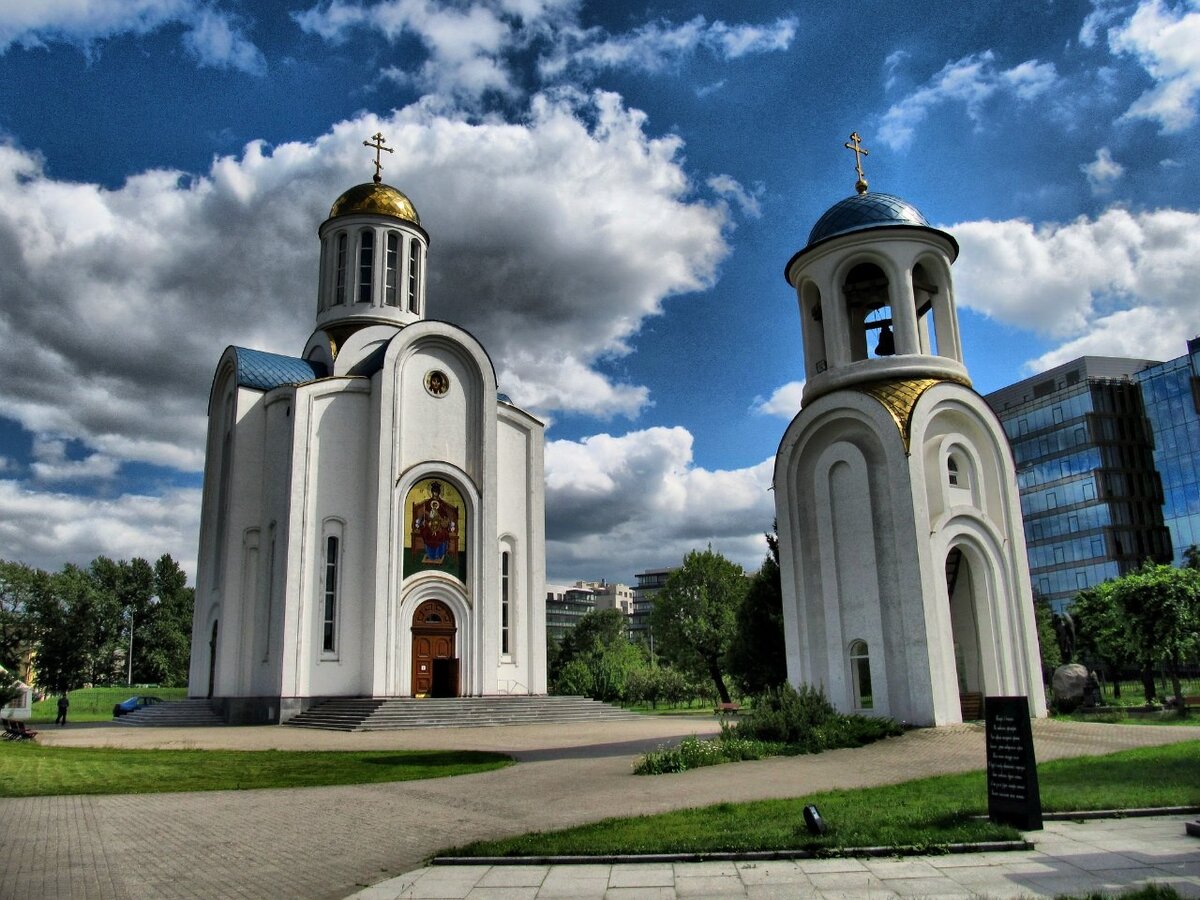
[859, 151]
[378, 145]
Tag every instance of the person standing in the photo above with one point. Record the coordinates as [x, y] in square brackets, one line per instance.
[63, 703]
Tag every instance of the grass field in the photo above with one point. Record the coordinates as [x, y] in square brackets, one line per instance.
[31, 770]
[926, 814]
[96, 704]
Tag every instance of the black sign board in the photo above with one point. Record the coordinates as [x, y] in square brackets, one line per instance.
[1012, 782]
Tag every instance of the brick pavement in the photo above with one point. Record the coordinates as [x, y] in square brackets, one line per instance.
[328, 842]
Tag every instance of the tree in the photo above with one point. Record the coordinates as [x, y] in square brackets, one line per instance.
[129, 588]
[1047, 638]
[166, 637]
[20, 586]
[694, 615]
[757, 655]
[596, 657]
[1162, 606]
[1102, 632]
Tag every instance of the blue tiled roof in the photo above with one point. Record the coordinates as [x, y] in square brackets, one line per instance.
[871, 210]
[265, 371]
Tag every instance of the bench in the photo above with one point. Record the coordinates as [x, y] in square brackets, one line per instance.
[16, 731]
[727, 709]
[1192, 702]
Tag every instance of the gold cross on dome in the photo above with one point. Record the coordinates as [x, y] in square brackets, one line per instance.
[378, 145]
[855, 144]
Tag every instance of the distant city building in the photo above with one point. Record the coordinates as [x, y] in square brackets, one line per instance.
[610, 596]
[1171, 396]
[1094, 441]
[648, 584]
[565, 606]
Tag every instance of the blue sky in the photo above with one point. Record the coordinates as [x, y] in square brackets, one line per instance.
[612, 190]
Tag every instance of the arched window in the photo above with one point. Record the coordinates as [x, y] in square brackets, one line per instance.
[414, 256]
[339, 278]
[869, 312]
[330, 595]
[952, 472]
[860, 674]
[504, 603]
[389, 268]
[366, 265]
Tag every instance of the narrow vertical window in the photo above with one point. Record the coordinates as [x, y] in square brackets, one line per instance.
[952, 471]
[414, 256]
[366, 265]
[504, 598]
[389, 289]
[331, 589]
[339, 280]
[860, 672]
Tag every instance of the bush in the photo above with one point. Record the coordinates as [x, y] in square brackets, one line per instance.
[805, 721]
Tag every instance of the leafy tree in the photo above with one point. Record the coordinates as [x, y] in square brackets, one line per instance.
[1162, 606]
[166, 637]
[20, 586]
[694, 615]
[757, 655]
[1103, 632]
[599, 646]
[129, 588]
[1191, 557]
[1047, 639]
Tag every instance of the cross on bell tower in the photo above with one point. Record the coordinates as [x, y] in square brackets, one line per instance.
[379, 141]
[859, 151]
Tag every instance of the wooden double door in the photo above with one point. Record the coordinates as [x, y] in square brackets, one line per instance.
[434, 665]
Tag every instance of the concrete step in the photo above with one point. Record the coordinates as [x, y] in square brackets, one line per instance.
[379, 714]
[173, 713]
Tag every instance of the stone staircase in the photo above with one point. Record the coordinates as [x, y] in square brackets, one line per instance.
[374, 714]
[173, 714]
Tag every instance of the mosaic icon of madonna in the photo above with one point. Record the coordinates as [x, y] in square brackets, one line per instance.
[435, 540]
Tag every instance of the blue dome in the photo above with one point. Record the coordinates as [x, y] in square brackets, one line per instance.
[864, 211]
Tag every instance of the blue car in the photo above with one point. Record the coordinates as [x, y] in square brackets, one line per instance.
[133, 704]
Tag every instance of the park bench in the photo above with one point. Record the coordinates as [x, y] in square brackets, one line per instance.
[16, 731]
[728, 709]
[1192, 702]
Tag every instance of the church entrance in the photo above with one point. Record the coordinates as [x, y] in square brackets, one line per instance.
[434, 665]
[965, 630]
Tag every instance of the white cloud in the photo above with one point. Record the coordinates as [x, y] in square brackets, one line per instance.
[728, 188]
[120, 301]
[215, 38]
[51, 463]
[1166, 42]
[46, 529]
[477, 48]
[784, 402]
[971, 81]
[1121, 284]
[638, 501]
[1102, 172]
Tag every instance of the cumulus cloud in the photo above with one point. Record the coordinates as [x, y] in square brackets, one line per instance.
[215, 38]
[783, 403]
[729, 188]
[970, 81]
[1166, 42]
[1102, 172]
[122, 300]
[476, 49]
[46, 528]
[52, 464]
[1120, 284]
[639, 499]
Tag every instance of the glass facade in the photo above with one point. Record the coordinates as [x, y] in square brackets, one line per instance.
[649, 583]
[1171, 395]
[564, 609]
[1084, 454]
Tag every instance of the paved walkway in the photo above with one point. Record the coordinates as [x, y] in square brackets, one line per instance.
[1107, 856]
[332, 841]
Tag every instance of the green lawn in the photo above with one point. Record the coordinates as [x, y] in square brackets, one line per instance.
[928, 813]
[30, 770]
[96, 704]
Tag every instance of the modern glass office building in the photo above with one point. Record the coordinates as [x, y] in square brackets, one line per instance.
[1091, 496]
[1171, 396]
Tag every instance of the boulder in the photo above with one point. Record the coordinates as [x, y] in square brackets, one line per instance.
[1068, 685]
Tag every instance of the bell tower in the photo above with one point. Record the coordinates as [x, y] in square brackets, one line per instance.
[905, 583]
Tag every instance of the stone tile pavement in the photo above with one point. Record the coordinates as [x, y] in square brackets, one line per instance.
[331, 841]
[1103, 856]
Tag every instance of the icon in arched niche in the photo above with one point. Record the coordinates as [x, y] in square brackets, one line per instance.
[435, 540]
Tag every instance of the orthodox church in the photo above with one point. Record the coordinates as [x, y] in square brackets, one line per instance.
[373, 511]
[905, 586]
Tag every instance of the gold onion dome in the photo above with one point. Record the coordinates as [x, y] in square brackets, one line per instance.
[375, 199]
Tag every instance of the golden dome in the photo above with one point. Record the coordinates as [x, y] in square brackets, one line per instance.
[375, 199]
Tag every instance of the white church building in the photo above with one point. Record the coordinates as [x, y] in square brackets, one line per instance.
[373, 511]
[905, 585]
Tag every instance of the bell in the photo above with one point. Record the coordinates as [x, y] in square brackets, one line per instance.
[887, 343]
